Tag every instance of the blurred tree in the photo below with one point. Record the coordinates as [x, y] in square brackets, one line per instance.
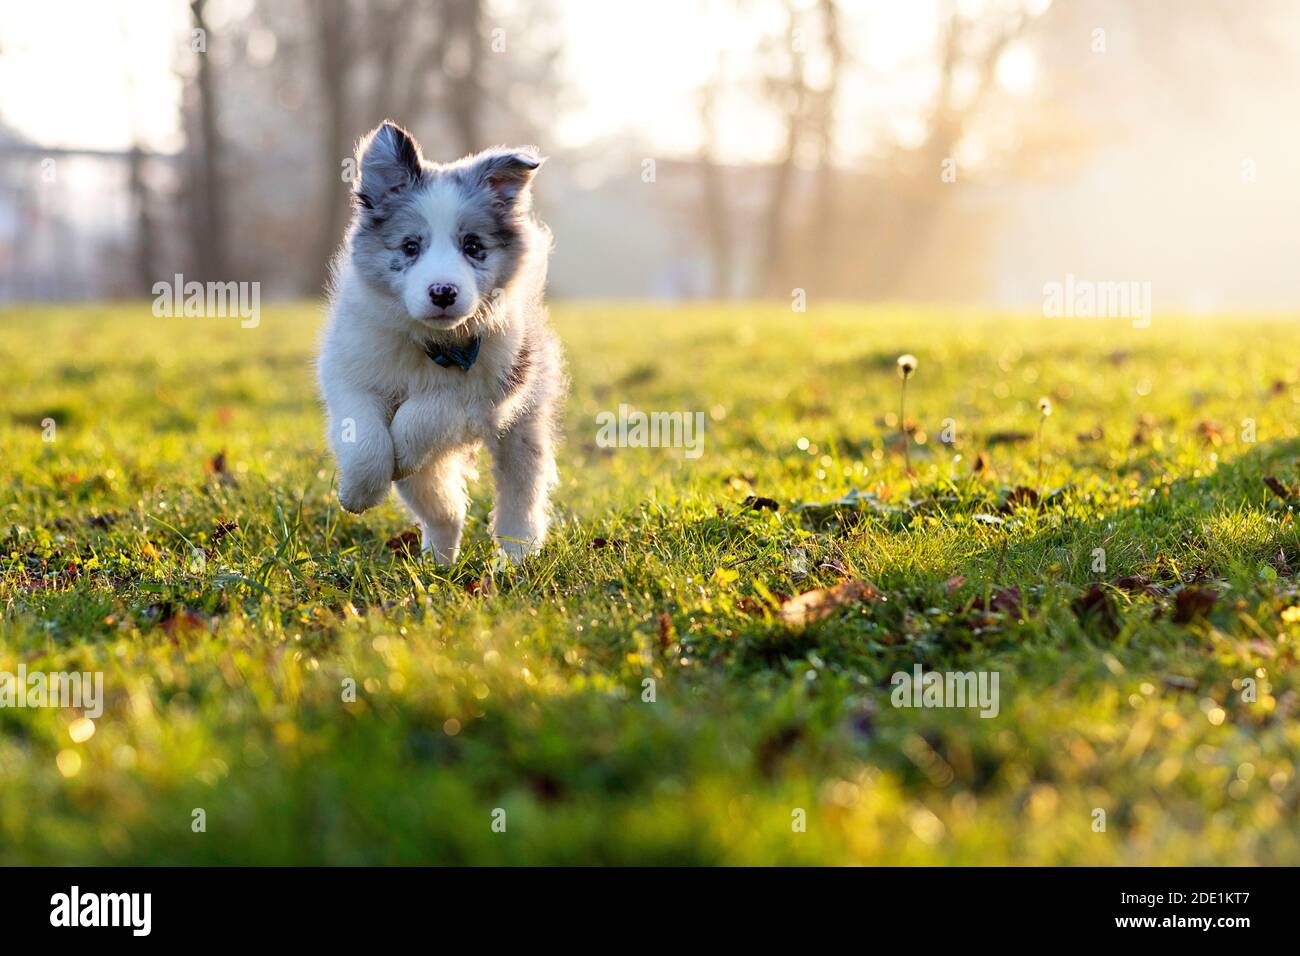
[449, 67]
[336, 52]
[714, 214]
[205, 154]
[787, 87]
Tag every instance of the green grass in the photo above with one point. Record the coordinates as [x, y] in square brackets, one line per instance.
[225, 654]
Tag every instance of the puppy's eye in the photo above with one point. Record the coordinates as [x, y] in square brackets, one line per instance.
[411, 247]
[471, 246]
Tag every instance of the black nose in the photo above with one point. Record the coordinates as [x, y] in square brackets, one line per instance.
[442, 295]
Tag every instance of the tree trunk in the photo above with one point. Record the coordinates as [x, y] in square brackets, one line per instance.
[465, 96]
[210, 247]
[332, 25]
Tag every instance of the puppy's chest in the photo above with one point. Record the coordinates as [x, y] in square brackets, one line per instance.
[467, 397]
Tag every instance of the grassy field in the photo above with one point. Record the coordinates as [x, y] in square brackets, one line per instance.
[176, 528]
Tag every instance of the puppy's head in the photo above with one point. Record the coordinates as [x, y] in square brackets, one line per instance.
[440, 239]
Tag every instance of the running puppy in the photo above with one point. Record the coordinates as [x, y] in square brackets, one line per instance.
[437, 342]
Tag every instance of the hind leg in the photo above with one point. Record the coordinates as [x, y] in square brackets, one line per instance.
[437, 496]
[523, 463]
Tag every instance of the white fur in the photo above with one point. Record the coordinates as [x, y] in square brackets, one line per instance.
[419, 424]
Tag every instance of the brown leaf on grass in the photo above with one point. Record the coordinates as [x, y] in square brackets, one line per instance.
[1018, 496]
[217, 467]
[480, 587]
[1095, 604]
[1137, 584]
[775, 746]
[1191, 603]
[1210, 432]
[408, 542]
[1281, 564]
[954, 583]
[545, 787]
[821, 602]
[1146, 424]
[1279, 489]
[181, 623]
[839, 567]
[598, 544]
[1005, 600]
[222, 529]
[665, 630]
[759, 503]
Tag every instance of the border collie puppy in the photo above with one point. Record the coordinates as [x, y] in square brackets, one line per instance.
[437, 342]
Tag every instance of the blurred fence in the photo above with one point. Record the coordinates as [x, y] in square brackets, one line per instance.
[78, 224]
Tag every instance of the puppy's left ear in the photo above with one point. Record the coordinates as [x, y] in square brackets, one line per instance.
[508, 173]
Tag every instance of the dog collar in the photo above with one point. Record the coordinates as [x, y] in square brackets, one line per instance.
[449, 355]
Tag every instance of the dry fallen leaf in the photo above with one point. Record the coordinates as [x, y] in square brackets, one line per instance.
[408, 541]
[820, 602]
[223, 528]
[666, 630]
[1210, 432]
[1279, 489]
[1281, 564]
[1137, 584]
[1006, 600]
[1018, 496]
[184, 622]
[1095, 604]
[1191, 603]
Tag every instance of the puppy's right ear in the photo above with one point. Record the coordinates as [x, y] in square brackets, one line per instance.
[389, 161]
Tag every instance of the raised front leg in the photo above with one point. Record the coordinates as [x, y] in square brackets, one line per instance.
[358, 434]
[436, 495]
[419, 429]
[523, 463]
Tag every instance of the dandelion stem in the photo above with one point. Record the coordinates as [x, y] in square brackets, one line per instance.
[1042, 420]
[902, 426]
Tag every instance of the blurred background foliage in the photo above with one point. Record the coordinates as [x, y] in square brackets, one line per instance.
[942, 150]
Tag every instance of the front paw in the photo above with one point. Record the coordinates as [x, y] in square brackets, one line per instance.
[361, 491]
[515, 547]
